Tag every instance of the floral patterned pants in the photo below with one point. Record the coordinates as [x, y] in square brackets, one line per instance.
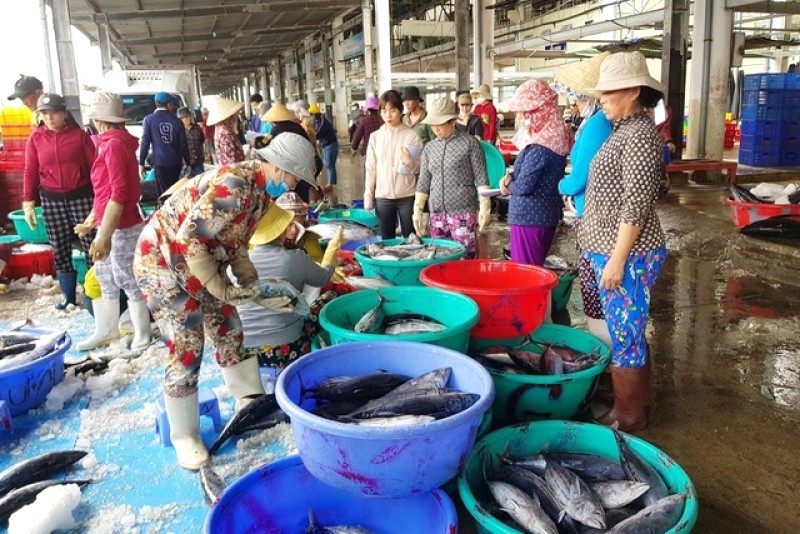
[627, 308]
[458, 227]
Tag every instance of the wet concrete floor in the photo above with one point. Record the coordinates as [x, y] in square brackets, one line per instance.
[724, 336]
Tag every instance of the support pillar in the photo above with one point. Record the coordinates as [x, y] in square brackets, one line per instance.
[383, 29]
[301, 90]
[673, 65]
[369, 51]
[263, 83]
[482, 40]
[311, 97]
[105, 46]
[711, 63]
[282, 80]
[66, 58]
[326, 72]
[462, 44]
[51, 79]
[247, 111]
[341, 113]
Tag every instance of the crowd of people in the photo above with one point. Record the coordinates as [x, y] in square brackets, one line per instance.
[203, 265]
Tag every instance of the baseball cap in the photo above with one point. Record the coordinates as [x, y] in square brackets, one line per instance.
[51, 102]
[163, 98]
[184, 112]
[25, 86]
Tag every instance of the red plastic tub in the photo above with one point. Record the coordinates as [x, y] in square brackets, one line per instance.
[27, 261]
[512, 297]
[744, 213]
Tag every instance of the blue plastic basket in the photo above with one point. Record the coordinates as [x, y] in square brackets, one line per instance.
[771, 81]
[765, 127]
[758, 158]
[761, 143]
[760, 97]
[771, 111]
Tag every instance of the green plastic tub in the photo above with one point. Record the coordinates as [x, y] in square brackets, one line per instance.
[495, 164]
[11, 239]
[562, 436]
[367, 218]
[562, 292]
[457, 312]
[320, 341]
[29, 235]
[530, 397]
[79, 264]
[405, 272]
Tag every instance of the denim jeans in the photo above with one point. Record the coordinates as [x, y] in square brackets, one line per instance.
[329, 154]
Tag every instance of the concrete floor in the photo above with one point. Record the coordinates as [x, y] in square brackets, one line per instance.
[726, 357]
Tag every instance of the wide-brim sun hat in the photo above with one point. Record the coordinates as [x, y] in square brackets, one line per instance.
[466, 98]
[271, 225]
[107, 107]
[373, 103]
[581, 77]
[532, 95]
[292, 153]
[440, 111]
[485, 91]
[221, 109]
[624, 70]
[278, 113]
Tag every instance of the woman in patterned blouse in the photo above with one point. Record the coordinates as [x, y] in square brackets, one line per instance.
[181, 265]
[224, 115]
[620, 232]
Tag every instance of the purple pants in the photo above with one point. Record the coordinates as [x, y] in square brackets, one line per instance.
[530, 244]
[458, 227]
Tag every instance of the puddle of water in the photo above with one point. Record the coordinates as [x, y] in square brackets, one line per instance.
[781, 383]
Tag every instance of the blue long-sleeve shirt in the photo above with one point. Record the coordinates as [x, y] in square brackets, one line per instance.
[326, 135]
[255, 122]
[534, 187]
[590, 138]
[166, 134]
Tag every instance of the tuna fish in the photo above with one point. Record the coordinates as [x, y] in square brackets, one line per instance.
[575, 497]
[438, 405]
[36, 469]
[351, 230]
[355, 388]
[335, 410]
[411, 323]
[655, 519]
[256, 411]
[587, 466]
[42, 346]
[360, 282]
[400, 420]
[372, 321]
[313, 528]
[618, 493]
[523, 508]
[638, 470]
[435, 379]
[212, 484]
[16, 499]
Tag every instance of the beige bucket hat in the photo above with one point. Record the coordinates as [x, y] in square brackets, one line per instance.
[624, 70]
[582, 76]
[440, 111]
[484, 91]
[107, 107]
[221, 109]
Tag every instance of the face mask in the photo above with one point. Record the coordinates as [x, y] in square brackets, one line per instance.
[480, 100]
[275, 190]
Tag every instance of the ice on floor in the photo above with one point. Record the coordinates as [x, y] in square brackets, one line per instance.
[51, 511]
[62, 393]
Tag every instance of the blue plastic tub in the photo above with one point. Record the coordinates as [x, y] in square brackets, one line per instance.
[358, 243]
[26, 387]
[380, 461]
[276, 498]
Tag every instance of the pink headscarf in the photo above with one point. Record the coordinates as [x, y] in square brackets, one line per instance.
[543, 123]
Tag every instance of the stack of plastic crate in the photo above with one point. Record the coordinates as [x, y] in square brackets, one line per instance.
[770, 128]
[16, 127]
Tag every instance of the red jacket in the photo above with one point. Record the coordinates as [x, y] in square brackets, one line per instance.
[115, 176]
[57, 161]
[488, 114]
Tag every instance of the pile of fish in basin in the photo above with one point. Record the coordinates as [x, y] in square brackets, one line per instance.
[408, 313]
[371, 418]
[551, 374]
[400, 261]
[551, 477]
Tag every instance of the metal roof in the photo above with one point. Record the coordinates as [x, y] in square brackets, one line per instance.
[225, 39]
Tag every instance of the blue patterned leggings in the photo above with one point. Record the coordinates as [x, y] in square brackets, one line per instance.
[627, 308]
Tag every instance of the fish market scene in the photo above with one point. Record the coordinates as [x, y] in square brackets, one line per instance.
[399, 267]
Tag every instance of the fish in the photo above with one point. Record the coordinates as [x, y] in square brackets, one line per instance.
[532, 484]
[590, 467]
[551, 363]
[638, 470]
[741, 194]
[42, 347]
[255, 411]
[438, 405]
[90, 365]
[527, 360]
[406, 251]
[360, 282]
[435, 379]
[787, 227]
[335, 410]
[411, 323]
[313, 528]
[399, 420]
[494, 365]
[523, 508]
[275, 418]
[657, 518]
[37, 469]
[614, 516]
[355, 388]
[212, 484]
[16, 499]
[13, 350]
[575, 497]
[351, 230]
[559, 264]
[15, 337]
[372, 321]
[618, 493]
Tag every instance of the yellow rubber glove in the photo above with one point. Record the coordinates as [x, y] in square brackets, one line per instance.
[86, 227]
[28, 207]
[484, 210]
[419, 207]
[332, 252]
[206, 269]
[243, 269]
[369, 201]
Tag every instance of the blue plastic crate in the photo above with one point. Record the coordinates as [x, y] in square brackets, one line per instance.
[789, 128]
[764, 127]
[767, 112]
[790, 159]
[771, 81]
[761, 143]
[791, 99]
[760, 97]
[758, 158]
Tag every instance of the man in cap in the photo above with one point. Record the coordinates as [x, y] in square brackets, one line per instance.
[255, 113]
[165, 133]
[28, 89]
[415, 114]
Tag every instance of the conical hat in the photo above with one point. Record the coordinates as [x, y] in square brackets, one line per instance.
[271, 225]
[582, 76]
[222, 108]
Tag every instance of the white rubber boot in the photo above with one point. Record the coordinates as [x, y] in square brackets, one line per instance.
[184, 431]
[106, 324]
[599, 329]
[140, 317]
[243, 380]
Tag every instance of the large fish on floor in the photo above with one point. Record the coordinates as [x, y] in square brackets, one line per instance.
[787, 227]
[212, 484]
[255, 412]
[37, 469]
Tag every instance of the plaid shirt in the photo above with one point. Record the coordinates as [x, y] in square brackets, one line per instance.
[195, 138]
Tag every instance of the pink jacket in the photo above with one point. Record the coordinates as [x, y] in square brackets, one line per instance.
[115, 176]
[57, 161]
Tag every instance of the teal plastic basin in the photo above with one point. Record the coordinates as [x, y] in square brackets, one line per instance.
[79, 264]
[562, 292]
[530, 397]
[495, 164]
[457, 312]
[358, 215]
[406, 272]
[563, 436]
[29, 235]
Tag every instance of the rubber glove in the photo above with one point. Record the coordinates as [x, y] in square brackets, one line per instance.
[484, 209]
[100, 249]
[86, 227]
[279, 304]
[334, 245]
[28, 207]
[369, 201]
[419, 206]
[243, 269]
[205, 268]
